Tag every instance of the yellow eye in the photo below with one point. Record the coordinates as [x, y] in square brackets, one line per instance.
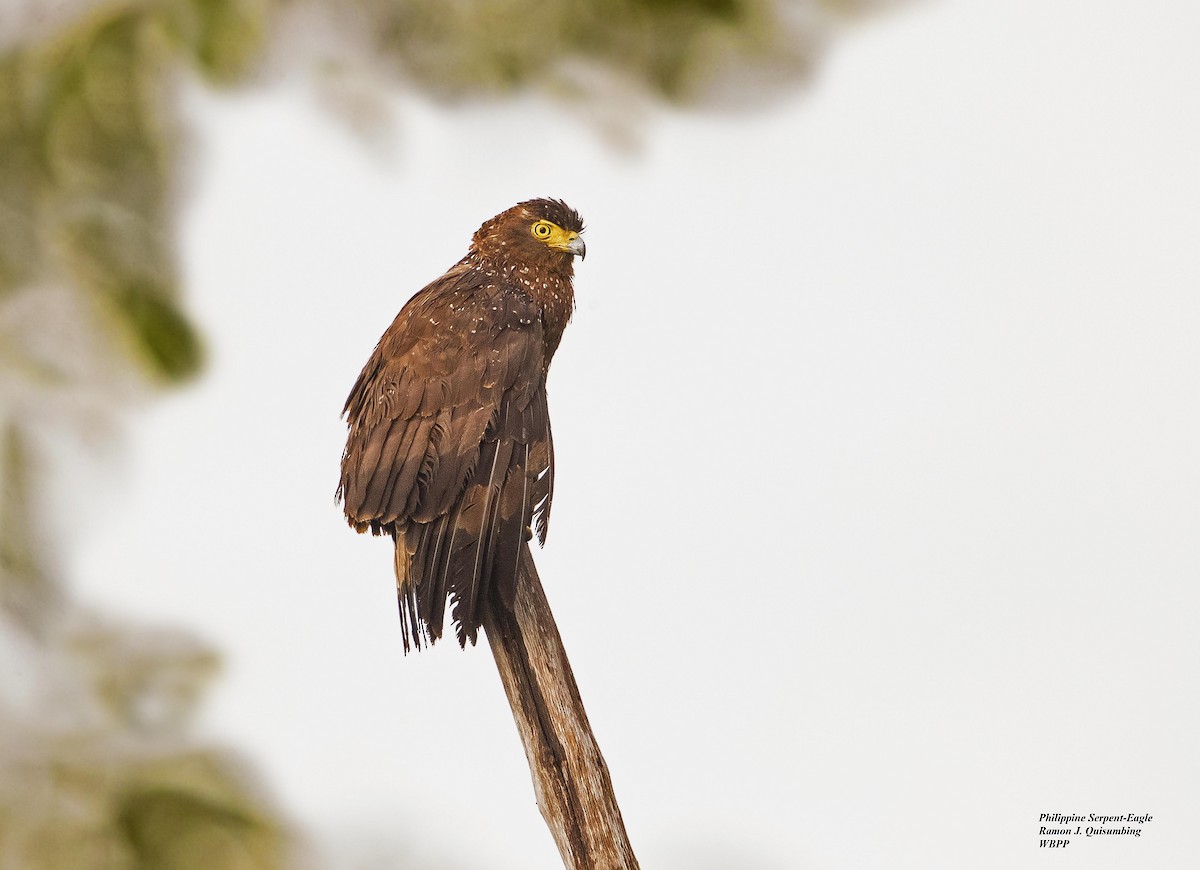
[542, 229]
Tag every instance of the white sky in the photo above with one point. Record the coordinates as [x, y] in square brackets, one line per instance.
[875, 533]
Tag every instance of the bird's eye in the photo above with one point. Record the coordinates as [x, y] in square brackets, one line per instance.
[541, 230]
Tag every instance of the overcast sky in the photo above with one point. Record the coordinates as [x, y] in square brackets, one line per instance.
[875, 528]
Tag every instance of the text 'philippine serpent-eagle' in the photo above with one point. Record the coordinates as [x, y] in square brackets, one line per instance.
[449, 449]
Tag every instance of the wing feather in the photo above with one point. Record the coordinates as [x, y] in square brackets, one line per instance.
[405, 466]
[381, 451]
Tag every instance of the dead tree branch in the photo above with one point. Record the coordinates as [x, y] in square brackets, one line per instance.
[571, 780]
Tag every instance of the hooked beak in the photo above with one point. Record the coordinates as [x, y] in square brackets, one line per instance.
[575, 246]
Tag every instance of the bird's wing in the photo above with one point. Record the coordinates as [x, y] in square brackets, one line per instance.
[449, 447]
[441, 375]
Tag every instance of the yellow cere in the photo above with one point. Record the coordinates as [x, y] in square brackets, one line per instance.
[553, 235]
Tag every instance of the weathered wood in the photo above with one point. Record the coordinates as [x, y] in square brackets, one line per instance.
[571, 781]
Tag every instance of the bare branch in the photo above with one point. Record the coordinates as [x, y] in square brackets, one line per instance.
[573, 787]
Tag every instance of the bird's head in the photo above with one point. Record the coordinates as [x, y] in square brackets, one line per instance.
[538, 232]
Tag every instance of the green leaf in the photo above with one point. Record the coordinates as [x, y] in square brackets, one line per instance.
[166, 341]
[224, 38]
[173, 829]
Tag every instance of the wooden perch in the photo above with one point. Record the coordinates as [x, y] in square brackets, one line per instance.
[570, 778]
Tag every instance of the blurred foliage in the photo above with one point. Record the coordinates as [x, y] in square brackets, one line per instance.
[87, 162]
[672, 47]
[97, 769]
[103, 774]
[23, 581]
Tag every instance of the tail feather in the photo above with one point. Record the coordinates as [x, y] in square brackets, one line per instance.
[434, 599]
[468, 613]
[509, 534]
[541, 493]
[412, 627]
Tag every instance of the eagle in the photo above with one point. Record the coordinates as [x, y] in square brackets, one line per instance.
[449, 448]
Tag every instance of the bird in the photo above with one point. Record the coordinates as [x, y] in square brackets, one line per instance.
[449, 449]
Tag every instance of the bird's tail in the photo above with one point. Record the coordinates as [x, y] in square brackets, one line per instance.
[469, 555]
[412, 626]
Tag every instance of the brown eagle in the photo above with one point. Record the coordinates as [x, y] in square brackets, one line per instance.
[449, 449]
